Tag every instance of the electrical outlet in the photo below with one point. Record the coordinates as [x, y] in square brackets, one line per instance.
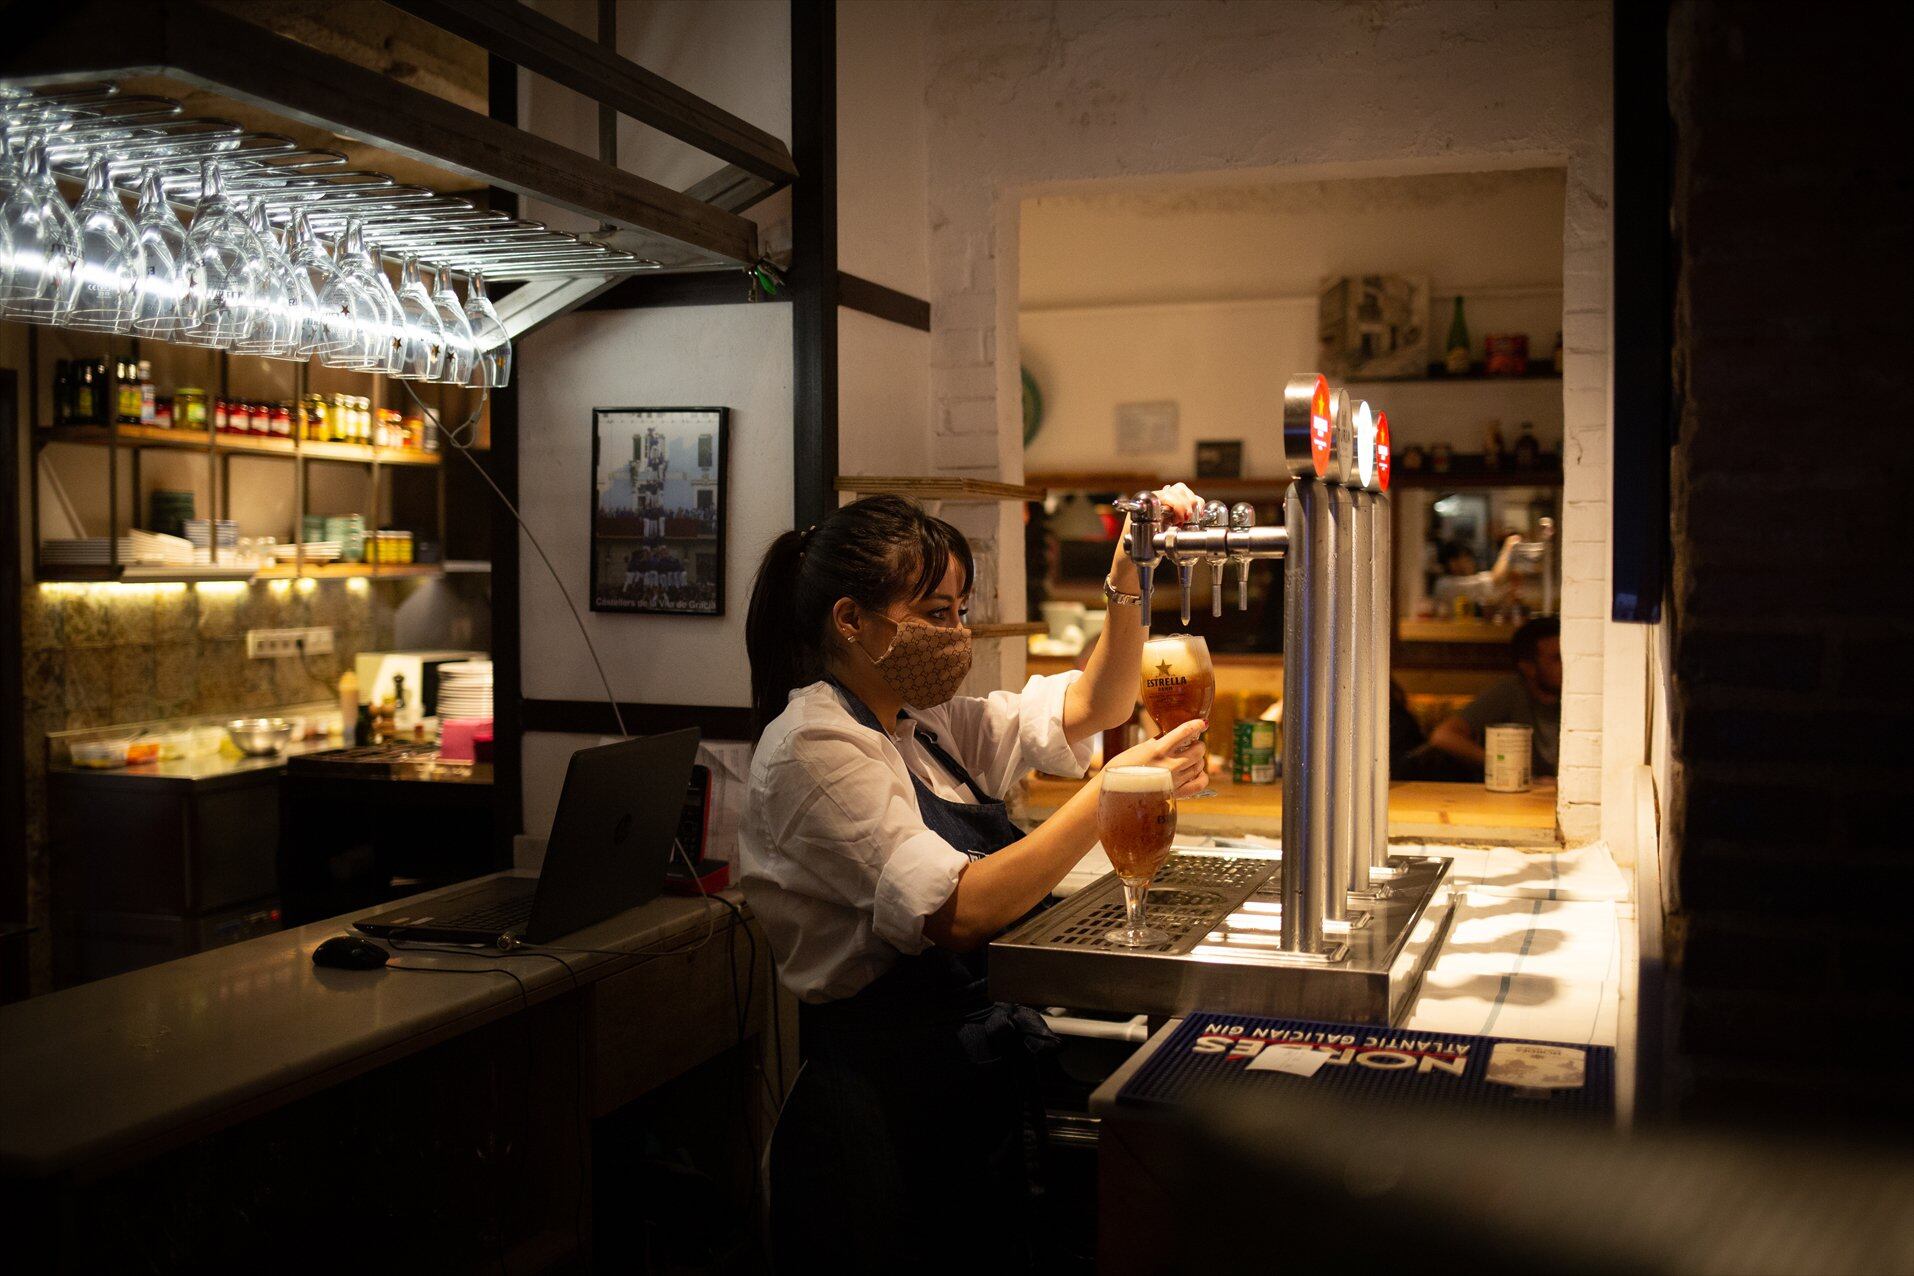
[271, 644]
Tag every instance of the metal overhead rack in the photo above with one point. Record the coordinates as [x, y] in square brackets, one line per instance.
[77, 54]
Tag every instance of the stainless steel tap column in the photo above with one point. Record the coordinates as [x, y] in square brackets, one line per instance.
[1306, 689]
[1369, 678]
[1382, 572]
[1308, 641]
[1342, 717]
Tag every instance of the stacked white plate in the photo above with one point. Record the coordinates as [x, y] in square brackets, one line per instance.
[135, 547]
[316, 551]
[465, 690]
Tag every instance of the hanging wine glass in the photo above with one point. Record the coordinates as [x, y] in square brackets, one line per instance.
[220, 275]
[106, 270]
[423, 358]
[9, 180]
[276, 300]
[461, 349]
[43, 243]
[493, 367]
[307, 332]
[161, 246]
[357, 324]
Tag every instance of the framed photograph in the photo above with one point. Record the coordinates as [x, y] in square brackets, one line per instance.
[1373, 326]
[1219, 458]
[657, 510]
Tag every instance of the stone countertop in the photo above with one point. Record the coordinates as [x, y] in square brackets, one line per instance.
[126, 1067]
[212, 766]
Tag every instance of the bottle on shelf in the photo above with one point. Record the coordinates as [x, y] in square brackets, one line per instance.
[1492, 446]
[126, 392]
[1528, 453]
[1456, 351]
[149, 395]
[1556, 359]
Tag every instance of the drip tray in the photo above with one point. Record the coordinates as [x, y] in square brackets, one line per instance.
[1223, 913]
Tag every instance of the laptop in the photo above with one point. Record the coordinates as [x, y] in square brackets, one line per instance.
[610, 843]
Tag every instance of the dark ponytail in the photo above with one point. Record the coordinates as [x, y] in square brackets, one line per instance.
[874, 552]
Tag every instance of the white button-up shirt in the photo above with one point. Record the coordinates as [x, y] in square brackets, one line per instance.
[839, 867]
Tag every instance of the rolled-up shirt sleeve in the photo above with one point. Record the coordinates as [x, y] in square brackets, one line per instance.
[1004, 734]
[847, 820]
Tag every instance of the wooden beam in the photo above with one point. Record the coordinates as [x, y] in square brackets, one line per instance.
[814, 278]
[884, 303]
[551, 49]
[211, 49]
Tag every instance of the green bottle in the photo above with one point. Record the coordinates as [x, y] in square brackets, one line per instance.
[1456, 349]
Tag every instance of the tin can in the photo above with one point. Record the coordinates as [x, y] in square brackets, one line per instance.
[1507, 748]
[1507, 354]
[1255, 755]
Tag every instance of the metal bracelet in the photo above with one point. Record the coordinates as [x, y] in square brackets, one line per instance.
[1114, 597]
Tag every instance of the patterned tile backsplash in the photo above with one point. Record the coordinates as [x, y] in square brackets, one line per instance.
[94, 655]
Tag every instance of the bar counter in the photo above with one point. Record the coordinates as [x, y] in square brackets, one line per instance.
[130, 1087]
[1417, 809]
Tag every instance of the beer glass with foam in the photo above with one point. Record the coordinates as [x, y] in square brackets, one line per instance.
[1179, 683]
[1136, 822]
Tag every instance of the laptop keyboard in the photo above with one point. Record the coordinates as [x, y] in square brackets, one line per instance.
[509, 915]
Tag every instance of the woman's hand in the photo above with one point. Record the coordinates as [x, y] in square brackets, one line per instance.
[1179, 502]
[1180, 752]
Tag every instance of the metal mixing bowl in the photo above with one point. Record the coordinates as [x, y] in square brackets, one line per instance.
[260, 737]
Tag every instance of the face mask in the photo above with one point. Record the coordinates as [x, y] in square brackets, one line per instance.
[926, 663]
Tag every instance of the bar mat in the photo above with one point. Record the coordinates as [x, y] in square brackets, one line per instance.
[1246, 1057]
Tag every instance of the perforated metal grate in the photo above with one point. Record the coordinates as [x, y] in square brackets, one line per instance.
[1191, 896]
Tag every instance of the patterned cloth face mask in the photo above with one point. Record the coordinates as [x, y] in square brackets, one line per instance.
[926, 663]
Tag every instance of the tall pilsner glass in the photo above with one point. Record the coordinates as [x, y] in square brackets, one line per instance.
[1136, 822]
[1179, 683]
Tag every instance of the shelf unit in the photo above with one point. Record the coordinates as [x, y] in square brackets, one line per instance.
[938, 488]
[220, 449]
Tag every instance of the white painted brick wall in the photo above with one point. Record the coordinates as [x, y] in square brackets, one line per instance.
[1024, 95]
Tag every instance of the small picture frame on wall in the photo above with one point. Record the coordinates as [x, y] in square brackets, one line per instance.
[1219, 458]
[657, 513]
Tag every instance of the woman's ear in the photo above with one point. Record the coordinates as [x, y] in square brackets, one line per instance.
[846, 617]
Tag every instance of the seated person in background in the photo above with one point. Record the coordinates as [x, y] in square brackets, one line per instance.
[1530, 697]
[1405, 733]
[1460, 579]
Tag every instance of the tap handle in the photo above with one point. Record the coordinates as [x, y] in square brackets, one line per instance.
[1242, 517]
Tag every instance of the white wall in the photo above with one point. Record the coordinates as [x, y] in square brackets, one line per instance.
[882, 233]
[1025, 98]
[737, 55]
[731, 356]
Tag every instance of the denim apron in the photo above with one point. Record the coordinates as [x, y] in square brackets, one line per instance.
[902, 1142]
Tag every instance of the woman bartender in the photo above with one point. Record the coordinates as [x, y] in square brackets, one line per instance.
[877, 854]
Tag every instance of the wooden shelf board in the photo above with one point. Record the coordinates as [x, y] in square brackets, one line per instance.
[405, 456]
[1009, 629]
[1095, 481]
[336, 451]
[257, 445]
[931, 488]
[130, 436]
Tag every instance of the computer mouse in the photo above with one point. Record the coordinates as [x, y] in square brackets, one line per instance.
[350, 952]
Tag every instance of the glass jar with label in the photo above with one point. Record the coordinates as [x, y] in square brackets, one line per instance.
[189, 408]
[313, 408]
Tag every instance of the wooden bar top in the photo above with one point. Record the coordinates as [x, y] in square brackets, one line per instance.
[1417, 809]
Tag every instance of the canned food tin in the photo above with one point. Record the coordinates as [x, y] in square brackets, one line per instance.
[1506, 749]
[1255, 756]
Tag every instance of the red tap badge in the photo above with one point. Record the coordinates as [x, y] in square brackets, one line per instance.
[1319, 427]
[1382, 451]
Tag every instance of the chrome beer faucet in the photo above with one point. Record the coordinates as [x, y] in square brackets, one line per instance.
[1218, 536]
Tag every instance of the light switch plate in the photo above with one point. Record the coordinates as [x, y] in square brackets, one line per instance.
[271, 644]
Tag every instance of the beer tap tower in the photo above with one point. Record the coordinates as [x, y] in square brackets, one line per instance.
[1356, 925]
